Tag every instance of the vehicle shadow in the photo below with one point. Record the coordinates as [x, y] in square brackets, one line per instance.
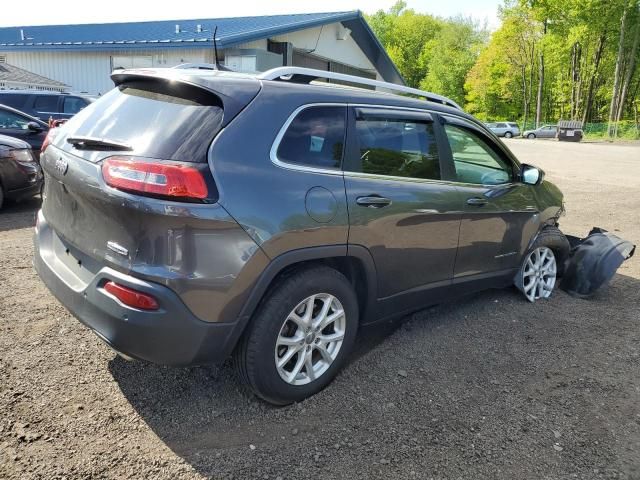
[203, 415]
[16, 215]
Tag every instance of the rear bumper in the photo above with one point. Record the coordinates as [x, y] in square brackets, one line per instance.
[171, 335]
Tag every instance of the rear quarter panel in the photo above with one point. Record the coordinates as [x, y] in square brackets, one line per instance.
[266, 199]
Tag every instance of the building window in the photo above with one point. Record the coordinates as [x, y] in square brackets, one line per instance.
[131, 61]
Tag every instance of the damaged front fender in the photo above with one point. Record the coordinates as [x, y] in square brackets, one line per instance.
[593, 261]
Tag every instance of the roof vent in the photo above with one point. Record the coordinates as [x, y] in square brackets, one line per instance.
[3, 59]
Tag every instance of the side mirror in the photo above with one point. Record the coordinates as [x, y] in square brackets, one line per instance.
[34, 127]
[531, 175]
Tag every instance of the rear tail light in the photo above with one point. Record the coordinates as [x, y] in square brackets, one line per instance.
[48, 139]
[131, 297]
[154, 177]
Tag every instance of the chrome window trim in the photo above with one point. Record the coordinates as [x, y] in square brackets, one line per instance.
[273, 154]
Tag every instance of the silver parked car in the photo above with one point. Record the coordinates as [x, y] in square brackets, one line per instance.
[545, 131]
[504, 129]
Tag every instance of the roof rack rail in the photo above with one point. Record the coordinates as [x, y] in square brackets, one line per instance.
[196, 66]
[307, 75]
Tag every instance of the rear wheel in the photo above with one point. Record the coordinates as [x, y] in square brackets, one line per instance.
[508, 135]
[300, 336]
[531, 136]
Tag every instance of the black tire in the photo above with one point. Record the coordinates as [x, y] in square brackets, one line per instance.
[554, 239]
[1, 196]
[531, 136]
[508, 134]
[254, 355]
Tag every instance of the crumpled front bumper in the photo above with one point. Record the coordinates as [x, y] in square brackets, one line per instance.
[593, 261]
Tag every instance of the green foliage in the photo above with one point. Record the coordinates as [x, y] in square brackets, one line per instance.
[497, 76]
[418, 43]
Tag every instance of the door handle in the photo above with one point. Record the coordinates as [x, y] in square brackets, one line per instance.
[373, 201]
[477, 201]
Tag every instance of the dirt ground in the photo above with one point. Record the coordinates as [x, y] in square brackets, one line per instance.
[490, 387]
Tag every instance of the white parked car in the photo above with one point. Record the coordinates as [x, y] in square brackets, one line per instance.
[504, 129]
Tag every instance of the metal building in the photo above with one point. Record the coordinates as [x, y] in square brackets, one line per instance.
[83, 56]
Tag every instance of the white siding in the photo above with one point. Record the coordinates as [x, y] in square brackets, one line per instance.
[89, 71]
[322, 41]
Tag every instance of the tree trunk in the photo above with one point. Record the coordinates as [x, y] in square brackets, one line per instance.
[540, 80]
[576, 52]
[586, 117]
[525, 106]
[613, 109]
[628, 75]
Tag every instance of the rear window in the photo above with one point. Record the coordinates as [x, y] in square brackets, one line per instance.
[158, 119]
[73, 104]
[14, 100]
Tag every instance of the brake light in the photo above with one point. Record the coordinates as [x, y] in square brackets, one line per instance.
[154, 177]
[48, 139]
[131, 297]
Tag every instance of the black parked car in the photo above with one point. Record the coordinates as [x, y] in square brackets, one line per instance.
[45, 105]
[20, 174]
[15, 123]
[193, 214]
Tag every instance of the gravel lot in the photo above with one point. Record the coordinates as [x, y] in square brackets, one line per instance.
[489, 387]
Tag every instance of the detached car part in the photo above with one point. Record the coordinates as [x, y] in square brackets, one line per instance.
[593, 261]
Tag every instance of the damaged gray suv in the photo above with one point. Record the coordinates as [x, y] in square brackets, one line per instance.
[191, 215]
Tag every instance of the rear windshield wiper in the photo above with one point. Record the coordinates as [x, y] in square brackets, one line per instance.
[92, 143]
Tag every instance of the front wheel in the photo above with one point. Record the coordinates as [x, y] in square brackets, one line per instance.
[531, 136]
[300, 336]
[543, 264]
[539, 273]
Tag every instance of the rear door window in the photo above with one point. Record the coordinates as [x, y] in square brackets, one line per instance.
[398, 146]
[315, 138]
[46, 104]
[162, 120]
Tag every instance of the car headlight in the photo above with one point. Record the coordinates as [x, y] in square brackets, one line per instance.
[23, 156]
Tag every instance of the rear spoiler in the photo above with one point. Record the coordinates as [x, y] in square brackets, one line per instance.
[235, 91]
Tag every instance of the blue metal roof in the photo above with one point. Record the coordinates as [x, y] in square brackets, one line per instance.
[231, 32]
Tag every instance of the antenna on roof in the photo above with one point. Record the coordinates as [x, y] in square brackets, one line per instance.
[215, 48]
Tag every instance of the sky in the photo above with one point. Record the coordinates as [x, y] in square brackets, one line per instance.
[52, 12]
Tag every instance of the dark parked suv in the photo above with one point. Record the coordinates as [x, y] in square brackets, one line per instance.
[20, 174]
[192, 214]
[44, 104]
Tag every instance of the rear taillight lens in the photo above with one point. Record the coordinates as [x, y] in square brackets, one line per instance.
[154, 177]
[48, 139]
[131, 297]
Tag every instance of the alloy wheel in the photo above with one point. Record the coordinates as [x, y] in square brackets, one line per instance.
[310, 339]
[539, 274]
